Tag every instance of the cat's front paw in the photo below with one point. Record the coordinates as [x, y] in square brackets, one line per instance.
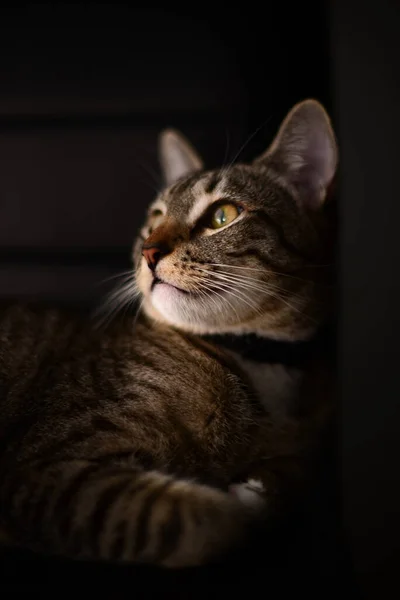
[251, 493]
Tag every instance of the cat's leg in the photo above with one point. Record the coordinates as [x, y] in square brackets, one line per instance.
[84, 510]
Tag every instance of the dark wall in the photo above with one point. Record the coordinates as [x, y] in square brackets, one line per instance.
[85, 90]
[366, 52]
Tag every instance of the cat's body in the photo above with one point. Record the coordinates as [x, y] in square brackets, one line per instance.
[74, 391]
[74, 398]
[122, 443]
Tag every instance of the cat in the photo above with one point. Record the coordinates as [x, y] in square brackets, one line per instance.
[165, 438]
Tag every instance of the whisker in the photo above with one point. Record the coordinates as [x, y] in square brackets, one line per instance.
[243, 146]
[230, 289]
[251, 286]
[210, 289]
[125, 274]
[260, 271]
[249, 280]
[270, 293]
[139, 308]
[267, 286]
[213, 291]
[128, 287]
[260, 285]
[227, 146]
[116, 301]
[156, 183]
[225, 300]
[209, 296]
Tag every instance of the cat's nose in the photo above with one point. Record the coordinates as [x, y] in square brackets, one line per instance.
[153, 253]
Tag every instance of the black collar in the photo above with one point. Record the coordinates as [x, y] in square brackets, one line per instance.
[266, 350]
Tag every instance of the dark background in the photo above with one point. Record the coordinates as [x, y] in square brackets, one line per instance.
[84, 91]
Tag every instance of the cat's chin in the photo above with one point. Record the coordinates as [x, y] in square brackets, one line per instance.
[189, 311]
[186, 311]
[164, 294]
[168, 304]
[175, 306]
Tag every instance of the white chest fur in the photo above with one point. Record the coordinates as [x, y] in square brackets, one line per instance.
[276, 385]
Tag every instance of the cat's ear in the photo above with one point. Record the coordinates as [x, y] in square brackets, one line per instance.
[178, 158]
[305, 153]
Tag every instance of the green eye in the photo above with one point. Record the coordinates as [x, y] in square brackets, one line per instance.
[224, 215]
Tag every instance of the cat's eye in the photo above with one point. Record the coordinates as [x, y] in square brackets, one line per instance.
[223, 215]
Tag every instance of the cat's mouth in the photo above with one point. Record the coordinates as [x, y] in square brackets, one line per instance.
[157, 281]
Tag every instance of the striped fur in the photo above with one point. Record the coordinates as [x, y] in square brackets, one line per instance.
[123, 443]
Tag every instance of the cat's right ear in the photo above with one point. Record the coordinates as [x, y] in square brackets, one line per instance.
[177, 157]
[304, 152]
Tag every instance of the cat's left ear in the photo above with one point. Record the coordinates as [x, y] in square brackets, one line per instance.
[304, 152]
[178, 158]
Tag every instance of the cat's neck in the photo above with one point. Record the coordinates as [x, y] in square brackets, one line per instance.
[261, 349]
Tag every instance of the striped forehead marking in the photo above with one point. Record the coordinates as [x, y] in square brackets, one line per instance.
[205, 192]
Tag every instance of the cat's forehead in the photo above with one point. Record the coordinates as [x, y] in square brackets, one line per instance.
[190, 197]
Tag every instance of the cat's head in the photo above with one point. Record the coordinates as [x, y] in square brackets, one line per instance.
[243, 248]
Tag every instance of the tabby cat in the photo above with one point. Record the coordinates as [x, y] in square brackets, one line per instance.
[162, 439]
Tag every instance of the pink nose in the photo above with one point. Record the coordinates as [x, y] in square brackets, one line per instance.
[152, 255]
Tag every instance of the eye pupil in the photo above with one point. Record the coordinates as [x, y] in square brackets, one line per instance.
[220, 216]
[224, 215]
